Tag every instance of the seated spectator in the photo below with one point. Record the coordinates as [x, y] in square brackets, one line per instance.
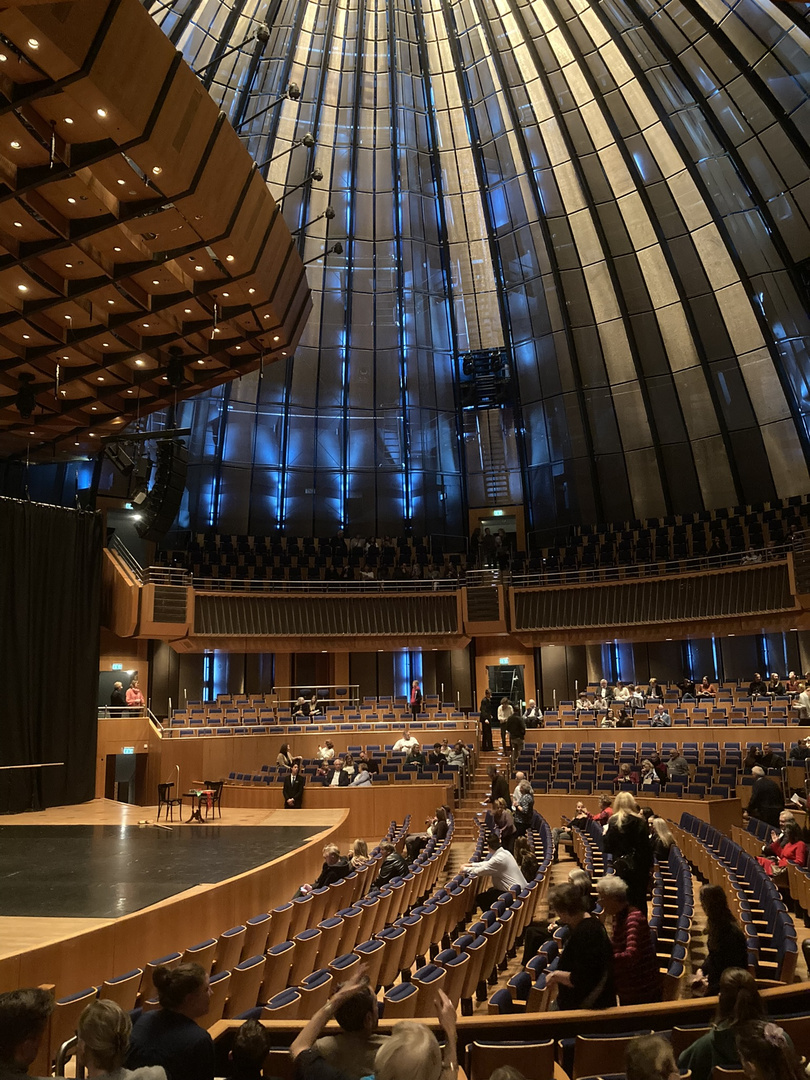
[358, 855]
[801, 750]
[786, 846]
[531, 714]
[411, 1052]
[335, 867]
[766, 1053]
[104, 1030]
[608, 719]
[792, 684]
[727, 947]
[625, 719]
[738, 1004]
[436, 757]
[661, 718]
[801, 703]
[353, 1049]
[650, 1057]
[654, 691]
[362, 777]
[686, 688]
[366, 759]
[301, 709]
[661, 837]
[415, 757]
[393, 865]
[170, 1036]
[757, 687]
[525, 858]
[649, 776]
[752, 758]
[770, 759]
[707, 691]
[776, 688]
[659, 766]
[457, 755]
[406, 743]
[605, 811]
[437, 826]
[563, 832]
[637, 698]
[622, 693]
[284, 759]
[677, 765]
[24, 1016]
[337, 776]
[326, 753]
[584, 978]
[635, 965]
[251, 1045]
[583, 704]
[627, 775]
[500, 867]
[604, 695]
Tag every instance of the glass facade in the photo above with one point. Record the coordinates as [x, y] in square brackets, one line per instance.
[615, 195]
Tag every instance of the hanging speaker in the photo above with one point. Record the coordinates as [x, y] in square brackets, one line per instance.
[161, 505]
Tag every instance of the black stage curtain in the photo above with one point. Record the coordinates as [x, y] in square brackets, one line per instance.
[50, 595]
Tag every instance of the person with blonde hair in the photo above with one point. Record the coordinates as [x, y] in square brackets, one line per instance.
[650, 1057]
[104, 1030]
[627, 839]
[358, 853]
[412, 1052]
[662, 838]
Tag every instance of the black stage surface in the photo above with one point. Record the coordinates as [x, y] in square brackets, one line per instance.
[105, 871]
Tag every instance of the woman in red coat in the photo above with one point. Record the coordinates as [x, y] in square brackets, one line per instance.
[785, 847]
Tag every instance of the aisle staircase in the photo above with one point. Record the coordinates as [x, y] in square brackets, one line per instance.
[478, 791]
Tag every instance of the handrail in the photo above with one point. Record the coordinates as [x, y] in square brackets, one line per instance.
[119, 547]
[638, 571]
[265, 585]
[167, 575]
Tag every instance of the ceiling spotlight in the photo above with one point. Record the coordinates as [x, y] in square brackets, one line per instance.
[121, 182]
[3, 58]
[99, 378]
[130, 391]
[140, 363]
[18, 224]
[251, 291]
[26, 337]
[226, 294]
[15, 145]
[68, 266]
[200, 361]
[111, 302]
[198, 268]
[229, 258]
[22, 288]
[146, 326]
[276, 338]
[187, 311]
[116, 249]
[69, 120]
[101, 113]
[71, 200]
[33, 43]
[156, 170]
[155, 281]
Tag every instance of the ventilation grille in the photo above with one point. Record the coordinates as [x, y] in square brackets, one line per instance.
[482, 605]
[754, 591]
[170, 604]
[326, 616]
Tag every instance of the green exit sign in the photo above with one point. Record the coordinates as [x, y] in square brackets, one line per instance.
[503, 660]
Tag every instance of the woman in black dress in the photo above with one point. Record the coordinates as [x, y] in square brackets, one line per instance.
[627, 839]
[584, 978]
[294, 788]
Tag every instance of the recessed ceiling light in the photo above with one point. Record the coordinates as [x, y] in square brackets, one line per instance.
[75, 444]
[276, 338]
[229, 258]
[15, 145]
[251, 291]
[105, 344]
[146, 326]
[140, 363]
[130, 391]
[226, 294]
[267, 316]
[165, 378]
[69, 120]
[101, 112]
[32, 433]
[68, 266]
[26, 337]
[156, 170]
[200, 361]
[34, 44]
[187, 310]
[93, 408]
[198, 268]
[216, 329]
[69, 318]
[18, 224]
[155, 281]
[121, 182]
[116, 249]
[100, 378]
[111, 302]
[238, 347]
[94, 436]
[65, 357]
[3, 58]
[71, 200]
[283, 354]
[22, 288]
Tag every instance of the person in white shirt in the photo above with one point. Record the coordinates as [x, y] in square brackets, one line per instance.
[802, 704]
[519, 778]
[326, 753]
[531, 714]
[622, 693]
[501, 867]
[406, 743]
[505, 710]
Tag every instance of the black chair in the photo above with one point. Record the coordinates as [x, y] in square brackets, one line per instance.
[165, 800]
[215, 805]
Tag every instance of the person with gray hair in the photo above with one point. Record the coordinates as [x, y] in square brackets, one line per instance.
[24, 1017]
[767, 800]
[635, 965]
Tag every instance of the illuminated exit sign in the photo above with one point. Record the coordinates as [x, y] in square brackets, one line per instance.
[503, 660]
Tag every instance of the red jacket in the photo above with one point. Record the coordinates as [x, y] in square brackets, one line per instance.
[795, 853]
[635, 965]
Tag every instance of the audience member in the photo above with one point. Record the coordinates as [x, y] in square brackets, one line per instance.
[358, 854]
[706, 691]
[635, 965]
[499, 785]
[766, 1053]
[326, 753]
[531, 714]
[505, 710]
[727, 946]
[353, 1049]
[337, 776]
[525, 858]
[335, 867]
[786, 846]
[411, 1052]
[437, 826]
[770, 759]
[437, 757]
[24, 1016]
[661, 837]
[486, 714]
[393, 865]
[661, 718]
[650, 1057]
[500, 867]
[776, 688]
[766, 801]
[738, 1004]
[135, 698]
[104, 1031]
[301, 709]
[563, 832]
[119, 698]
[604, 695]
[251, 1045]
[537, 933]
[406, 743]
[605, 811]
[523, 807]
[627, 839]
[504, 824]
[415, 701]
[516, 726]
[584, 978]
[284, 758]
[366, 758]
[654, 691]
[757, 687]
[170, 1036]
[677, 765]
[649, 776]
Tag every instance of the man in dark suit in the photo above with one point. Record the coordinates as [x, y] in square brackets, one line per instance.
[767, 801]
[336, 775]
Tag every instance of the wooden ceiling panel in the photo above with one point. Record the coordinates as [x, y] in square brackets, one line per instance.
[132, 222]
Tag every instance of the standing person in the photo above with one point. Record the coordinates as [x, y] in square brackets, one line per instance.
[501, 867]
[523, 807]
[104, 1031]
[486, 714]
[135, 699]
[766, 801]
[170, 1036]
[118, 699]
[416, 699]
[516, 726]
[635, 965]
[499, 788]
[727, 947]
[504, 824]
[627, 839]
[293, 789]
[505, 710]
[584, 978]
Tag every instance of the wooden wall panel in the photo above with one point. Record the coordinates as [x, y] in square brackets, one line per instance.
[722, 813]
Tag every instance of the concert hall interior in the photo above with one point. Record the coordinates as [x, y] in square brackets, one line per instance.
[397, 399]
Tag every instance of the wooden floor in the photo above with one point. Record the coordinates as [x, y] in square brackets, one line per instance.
[18, 934]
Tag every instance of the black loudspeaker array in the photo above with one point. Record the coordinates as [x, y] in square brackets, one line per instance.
[164, 498]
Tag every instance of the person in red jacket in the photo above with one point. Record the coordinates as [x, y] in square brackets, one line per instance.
[635, 965]
[785, 847]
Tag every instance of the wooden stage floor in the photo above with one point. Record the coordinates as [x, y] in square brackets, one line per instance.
[103, 861]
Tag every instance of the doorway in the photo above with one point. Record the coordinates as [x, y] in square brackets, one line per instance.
[506, 680]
